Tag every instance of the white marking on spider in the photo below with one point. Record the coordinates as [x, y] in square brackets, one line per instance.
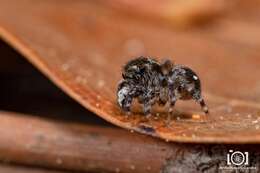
[122, 94]
[195, 77]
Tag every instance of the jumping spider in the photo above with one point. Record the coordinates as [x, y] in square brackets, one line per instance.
[152, 82]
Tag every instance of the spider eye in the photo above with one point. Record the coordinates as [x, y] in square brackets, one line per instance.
[142, 70]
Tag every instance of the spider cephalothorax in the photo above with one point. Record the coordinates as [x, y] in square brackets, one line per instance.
[152, 82]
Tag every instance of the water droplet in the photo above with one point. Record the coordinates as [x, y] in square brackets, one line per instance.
[101, 83]
[195, 116]
[229, 109]
[255, 121]
[97, 105]
[132, 167]
[117, 170]
[59, 161]
[65, 67]
[80, 79]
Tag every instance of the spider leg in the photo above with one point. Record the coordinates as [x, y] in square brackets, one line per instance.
[173, 98]
[147, 105]
[162, 97]
[196, 95]
[147, 109]
[125, 96]
[127, 104]
[203, 105]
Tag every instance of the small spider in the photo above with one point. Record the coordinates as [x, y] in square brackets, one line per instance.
[152, 82]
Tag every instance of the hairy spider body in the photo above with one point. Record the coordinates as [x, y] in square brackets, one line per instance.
[151, 82]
